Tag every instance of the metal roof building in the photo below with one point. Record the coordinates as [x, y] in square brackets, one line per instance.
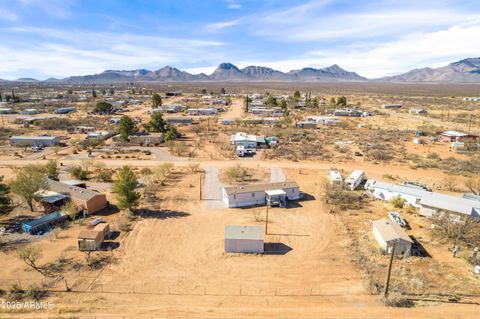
[439, 203]
[35, 140]
[244, 239]
[44, 223]
[387, 232]
[387, 191]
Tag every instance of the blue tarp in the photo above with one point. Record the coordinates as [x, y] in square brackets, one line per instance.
[43, 223]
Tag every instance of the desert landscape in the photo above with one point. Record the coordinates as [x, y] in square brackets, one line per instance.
[239, 159]
[165, 255]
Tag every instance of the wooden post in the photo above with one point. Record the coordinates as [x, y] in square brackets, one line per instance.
[200, 186]
[387, 284]
[266, 222]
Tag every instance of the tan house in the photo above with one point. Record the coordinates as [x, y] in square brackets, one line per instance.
[90, 201]
[387, 232]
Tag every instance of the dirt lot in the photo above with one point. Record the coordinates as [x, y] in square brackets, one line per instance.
[172, 262]
[317, 264]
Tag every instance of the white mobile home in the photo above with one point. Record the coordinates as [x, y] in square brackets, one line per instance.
[207, 111]
[387, 191]
[244, 239]
[392, 106]
[36, 141]
[355, 179]
[387, 232]
[457, 208]
[258, 194]
[335, 178]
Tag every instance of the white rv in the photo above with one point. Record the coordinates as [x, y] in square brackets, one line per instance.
[355, 179]
[335, 178]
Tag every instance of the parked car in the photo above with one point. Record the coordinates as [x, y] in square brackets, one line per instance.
[396, 217]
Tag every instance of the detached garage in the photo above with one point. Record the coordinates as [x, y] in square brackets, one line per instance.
[387, 232]
[244, 239]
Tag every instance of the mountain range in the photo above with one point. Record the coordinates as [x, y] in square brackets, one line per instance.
[463, 71]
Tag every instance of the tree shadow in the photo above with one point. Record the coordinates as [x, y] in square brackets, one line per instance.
[162, 214]
[14, 224]
[107, 211]
[276, 249]
[6, 246]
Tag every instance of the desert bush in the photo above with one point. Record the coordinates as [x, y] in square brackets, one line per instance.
[397, 202]
[397, 300]
[105, 176]
[78, 172]
[410, 209]
[342, 198]
[55, 124]
[35, 293]
[16, 292]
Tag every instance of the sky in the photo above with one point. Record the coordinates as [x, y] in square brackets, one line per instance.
[60, 38]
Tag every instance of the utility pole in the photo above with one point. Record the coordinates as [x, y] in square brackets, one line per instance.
[200, 185]
[387, 283]
[469, 124]
[266, 222]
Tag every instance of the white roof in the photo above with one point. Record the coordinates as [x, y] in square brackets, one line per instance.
[275, 192]
[454, 134]
[356, 174]
[241, 136]
[46, 138]
[390, 230]
[450, 203]
[399, 189]
[244, 232]
[335, 175]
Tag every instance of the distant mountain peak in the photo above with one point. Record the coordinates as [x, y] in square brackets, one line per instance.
[227, 66]
[463, 71]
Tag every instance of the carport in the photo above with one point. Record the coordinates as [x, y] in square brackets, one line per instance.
[276, 197]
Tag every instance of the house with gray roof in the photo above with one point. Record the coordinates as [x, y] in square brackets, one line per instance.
[260, 194]
[244, 239]
[387, 232]
[457, 208]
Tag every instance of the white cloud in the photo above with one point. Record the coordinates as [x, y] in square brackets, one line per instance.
[60, 9]
[8, 15]
[223, 25]
[232, 4]
[74, 52]
[374, 60]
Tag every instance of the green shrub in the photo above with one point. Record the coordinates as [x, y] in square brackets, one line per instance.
[398, 202]
[79, 173]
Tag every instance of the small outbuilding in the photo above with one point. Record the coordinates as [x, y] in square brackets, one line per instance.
[104, 228]
[244, 239]
[90, 240]
[387, 232]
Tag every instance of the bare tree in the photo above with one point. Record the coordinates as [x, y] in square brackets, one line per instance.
[30, 255]
[194, 167]
[473, 184]
[458, 229]
[450, 183]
